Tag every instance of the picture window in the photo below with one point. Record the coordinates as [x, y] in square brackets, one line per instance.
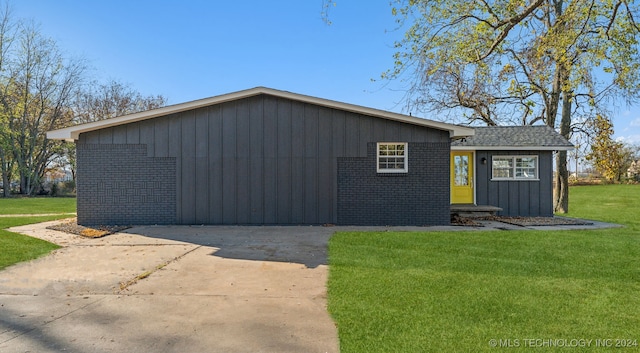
[515, 168]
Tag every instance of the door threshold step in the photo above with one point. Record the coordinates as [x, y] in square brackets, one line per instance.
[474, 211]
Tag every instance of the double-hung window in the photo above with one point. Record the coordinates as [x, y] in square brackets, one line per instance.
[392, 157]
[515, 168]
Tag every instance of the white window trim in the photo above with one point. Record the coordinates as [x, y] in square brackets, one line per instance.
[514, 157]
[394, 170]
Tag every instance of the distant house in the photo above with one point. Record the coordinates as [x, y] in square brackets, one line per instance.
[56, 175]
[265, 156]
[633, 172]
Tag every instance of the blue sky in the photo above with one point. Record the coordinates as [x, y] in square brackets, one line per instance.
[193, 49]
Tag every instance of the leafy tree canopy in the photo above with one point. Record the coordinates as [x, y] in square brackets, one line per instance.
[519, 62]
[509, 61]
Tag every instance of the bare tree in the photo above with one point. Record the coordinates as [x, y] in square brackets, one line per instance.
[103, 101]
[96, 101]
[36, 83]
[37, 100]
[41, 90]
[7, 33]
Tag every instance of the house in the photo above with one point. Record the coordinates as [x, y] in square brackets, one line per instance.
[633, 172]
[511, 168]
[265, 156]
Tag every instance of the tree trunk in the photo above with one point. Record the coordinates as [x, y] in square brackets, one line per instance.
[561, 191]
[24, 183]
[6, 181]
[27, 182]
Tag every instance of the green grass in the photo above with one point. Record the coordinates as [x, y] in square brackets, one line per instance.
[608, 203]
[16, 248]
[34, 205]
[456, 291]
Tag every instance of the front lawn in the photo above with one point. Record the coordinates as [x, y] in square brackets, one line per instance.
[37, 205]
[16, 247]
[459, 291]
[608, 203]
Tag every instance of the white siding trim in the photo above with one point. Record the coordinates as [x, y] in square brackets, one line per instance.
[511, 148]
[73, 133]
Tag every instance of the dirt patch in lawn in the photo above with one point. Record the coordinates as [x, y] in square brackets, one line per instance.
[539, 221]
[72, 227]
[456, 220]
[518, 221]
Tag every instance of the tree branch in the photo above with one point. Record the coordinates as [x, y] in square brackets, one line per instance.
[613, 18]
[630, 14]
[509, 23]
[490, 10]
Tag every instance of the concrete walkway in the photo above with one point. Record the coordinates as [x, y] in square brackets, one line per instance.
[179, 289]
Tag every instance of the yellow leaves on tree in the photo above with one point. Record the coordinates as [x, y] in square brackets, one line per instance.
[607, 155]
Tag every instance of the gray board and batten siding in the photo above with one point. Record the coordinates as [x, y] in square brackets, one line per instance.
[521, 198]
[257, 160]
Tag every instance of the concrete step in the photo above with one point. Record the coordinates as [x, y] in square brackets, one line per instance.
[474, 211]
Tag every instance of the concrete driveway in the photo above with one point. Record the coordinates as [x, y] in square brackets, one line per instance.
[171, 289]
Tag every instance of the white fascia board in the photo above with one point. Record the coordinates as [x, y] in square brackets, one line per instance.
[73, 132]
[511, 148]
[454, 130]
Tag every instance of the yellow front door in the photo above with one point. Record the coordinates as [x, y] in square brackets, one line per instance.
[461, 177]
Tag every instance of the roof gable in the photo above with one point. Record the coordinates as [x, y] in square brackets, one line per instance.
[527, 137]
[73, 132]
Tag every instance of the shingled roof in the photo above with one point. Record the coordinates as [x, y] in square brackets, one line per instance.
[538, 137]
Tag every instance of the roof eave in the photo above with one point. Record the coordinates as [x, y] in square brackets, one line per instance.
[73, 133]
[454, 130]
[512, 148]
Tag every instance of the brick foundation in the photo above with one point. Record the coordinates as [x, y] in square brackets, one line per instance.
[120, 185]
[417, 198]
